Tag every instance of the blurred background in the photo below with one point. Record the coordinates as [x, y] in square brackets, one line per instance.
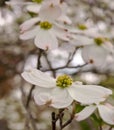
[17, 55]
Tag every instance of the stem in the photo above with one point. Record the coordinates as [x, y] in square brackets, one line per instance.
[110, 128]
[28, 115]
[33, 86]
[50, 66]
[29, 96]
[53, 121]
[100, 127]
[61, 114]
[58, 115]
[65, 66]
[68, 122]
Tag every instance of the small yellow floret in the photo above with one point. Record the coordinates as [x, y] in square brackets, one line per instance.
[45, 25]
[64, 81]
[99, 41]
[82, 27]
[37, 1]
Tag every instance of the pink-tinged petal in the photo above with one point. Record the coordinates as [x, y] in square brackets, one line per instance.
[65, 19]
[85, 113]
[28, 24]
[54, 2]
[42, 96]
[34, 8]
[29, 34]
[88, 94]
[57, 98]
[79, 40]
[94, 54]
[61, 98]
[45, 39]
[49, 12]
[106, 113]
[38, 78]
[61, 33]
[11, 3]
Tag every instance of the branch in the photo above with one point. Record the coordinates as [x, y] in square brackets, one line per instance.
[65, 66]
[68, 122]
[53, 121]
[33, 86]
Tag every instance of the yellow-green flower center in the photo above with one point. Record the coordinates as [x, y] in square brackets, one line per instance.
[45, 25]
[37, 1]
[82, 27]
[63, 81]
[99, 41]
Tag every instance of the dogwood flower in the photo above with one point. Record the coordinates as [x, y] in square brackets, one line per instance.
[43, 28]
[60, 92]
[97, 52]
[35, 6]
[106, 112]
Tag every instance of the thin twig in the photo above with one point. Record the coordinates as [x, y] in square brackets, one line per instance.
[71, 56]
[100, 127]
[110, 128]
[68, 122]
[50, 66]
[61, 120]
[58, 115]
[33, 86]
[64, 67]
[29, 118]
[53, 121]
[29, 96]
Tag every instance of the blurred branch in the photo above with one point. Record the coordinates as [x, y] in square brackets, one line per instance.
[33, 86]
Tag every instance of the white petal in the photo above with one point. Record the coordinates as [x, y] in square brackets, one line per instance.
[42, 96]
[29, 34]
[11, 3]
[38, 78]
[106, 113]
[88, 94]
[94, 53]
[79, 40]
[85, 113]
[45, 39]
[61, 33]
[65, 19]
[49, 13]
[57, 98]
[28, 24]
[34, 8]
[61, 98]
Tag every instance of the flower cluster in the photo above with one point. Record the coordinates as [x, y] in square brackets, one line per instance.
[62, 91]
[49, 27]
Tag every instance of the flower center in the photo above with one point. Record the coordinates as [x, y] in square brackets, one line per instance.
[82, 27]
[63, 81]
[37, 1]
[98, 41]
[45, 25]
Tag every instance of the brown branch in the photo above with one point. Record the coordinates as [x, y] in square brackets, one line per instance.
[110, 127]
[50, 66]
[65, 66]
[33, 86]
[68, 122]
[53, 121]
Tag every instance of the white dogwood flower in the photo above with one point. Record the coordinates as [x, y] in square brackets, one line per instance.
[61, 92]
[43, 28]
[106, 112]
[35, 6]
[97, 52]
